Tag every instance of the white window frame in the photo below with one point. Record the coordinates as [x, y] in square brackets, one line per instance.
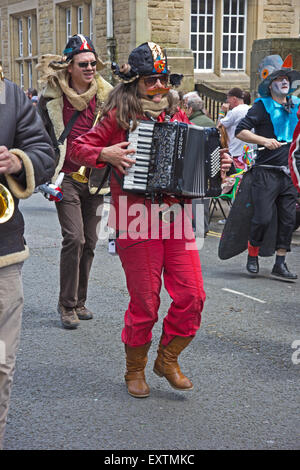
[91, 21]
[80, 20]
[21, 71]
[29, 35]
[205, 18]
[234, 52]
[30, 81]
[20, 30]
[68, 23]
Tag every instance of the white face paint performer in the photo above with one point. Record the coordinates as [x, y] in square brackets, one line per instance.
[273, 117]
[280, 87]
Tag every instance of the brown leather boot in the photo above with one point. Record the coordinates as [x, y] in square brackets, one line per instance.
[166, 364]
[68, 317]
[136, 360]
[83, 313]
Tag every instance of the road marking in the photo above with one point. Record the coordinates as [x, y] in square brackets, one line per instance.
[244, 295]
[214, 234]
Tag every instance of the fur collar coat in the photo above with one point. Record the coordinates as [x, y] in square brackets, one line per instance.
[51, 107]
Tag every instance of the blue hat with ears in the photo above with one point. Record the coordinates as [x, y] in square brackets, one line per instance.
[273, 67]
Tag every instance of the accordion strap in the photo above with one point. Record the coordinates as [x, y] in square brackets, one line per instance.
[117, 176]
[68, 128]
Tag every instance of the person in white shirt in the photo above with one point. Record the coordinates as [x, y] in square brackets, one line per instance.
[231, 112]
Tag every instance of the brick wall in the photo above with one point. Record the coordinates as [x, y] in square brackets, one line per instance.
[45, 27]
[122, 30]
[166, 21]
[99, 39]
[163, 21]
[279, 18]
[4, 41]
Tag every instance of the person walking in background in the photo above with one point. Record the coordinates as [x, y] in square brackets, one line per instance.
[230, 114]
[73, 89]
[31, 92]
[34, 100]
[26, 161]
[194, 108]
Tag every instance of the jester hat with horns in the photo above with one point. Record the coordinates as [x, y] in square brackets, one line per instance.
[146, 59]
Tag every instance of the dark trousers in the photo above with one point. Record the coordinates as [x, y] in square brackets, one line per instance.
[272, 187]
[79, 214]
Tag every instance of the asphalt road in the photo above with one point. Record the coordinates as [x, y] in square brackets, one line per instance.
[69, 391]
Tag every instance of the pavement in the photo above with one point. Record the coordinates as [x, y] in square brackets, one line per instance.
[69, 391]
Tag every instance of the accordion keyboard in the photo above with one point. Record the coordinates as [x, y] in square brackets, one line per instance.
[141, 141]
[215, 162]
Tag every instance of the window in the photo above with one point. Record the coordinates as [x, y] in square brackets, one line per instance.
[91, 22]
[20, 25]
[72, 17]
[80, 20]
[202, 34]
[21, 71]
[29, 37]
[218, 35]
[23, 50]
[68, 23]
[234, 34]
[30, 81]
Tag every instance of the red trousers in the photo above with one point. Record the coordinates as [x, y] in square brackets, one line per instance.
[144, 262]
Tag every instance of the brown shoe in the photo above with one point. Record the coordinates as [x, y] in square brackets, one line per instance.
[136, 360]
[83, 313]
[166, 364]
[68, 317]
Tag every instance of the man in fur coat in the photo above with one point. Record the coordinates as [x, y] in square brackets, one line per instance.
[26, 161]
[72, 84]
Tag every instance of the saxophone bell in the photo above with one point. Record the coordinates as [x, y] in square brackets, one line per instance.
[7, 205]
[80, 175]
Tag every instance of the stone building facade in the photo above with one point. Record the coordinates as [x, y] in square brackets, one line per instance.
[209, 41]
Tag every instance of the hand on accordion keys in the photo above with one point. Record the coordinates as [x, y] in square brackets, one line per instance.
[119, 155]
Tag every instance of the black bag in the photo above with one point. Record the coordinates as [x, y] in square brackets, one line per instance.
[99, 179]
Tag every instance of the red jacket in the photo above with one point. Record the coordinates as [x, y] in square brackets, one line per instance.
[129, 207]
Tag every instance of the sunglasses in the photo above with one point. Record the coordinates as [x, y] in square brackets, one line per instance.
[151, 81]
[84, 65]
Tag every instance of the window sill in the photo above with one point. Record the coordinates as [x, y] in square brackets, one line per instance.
[224, 81]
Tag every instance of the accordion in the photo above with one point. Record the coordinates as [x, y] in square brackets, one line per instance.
[174, 158]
